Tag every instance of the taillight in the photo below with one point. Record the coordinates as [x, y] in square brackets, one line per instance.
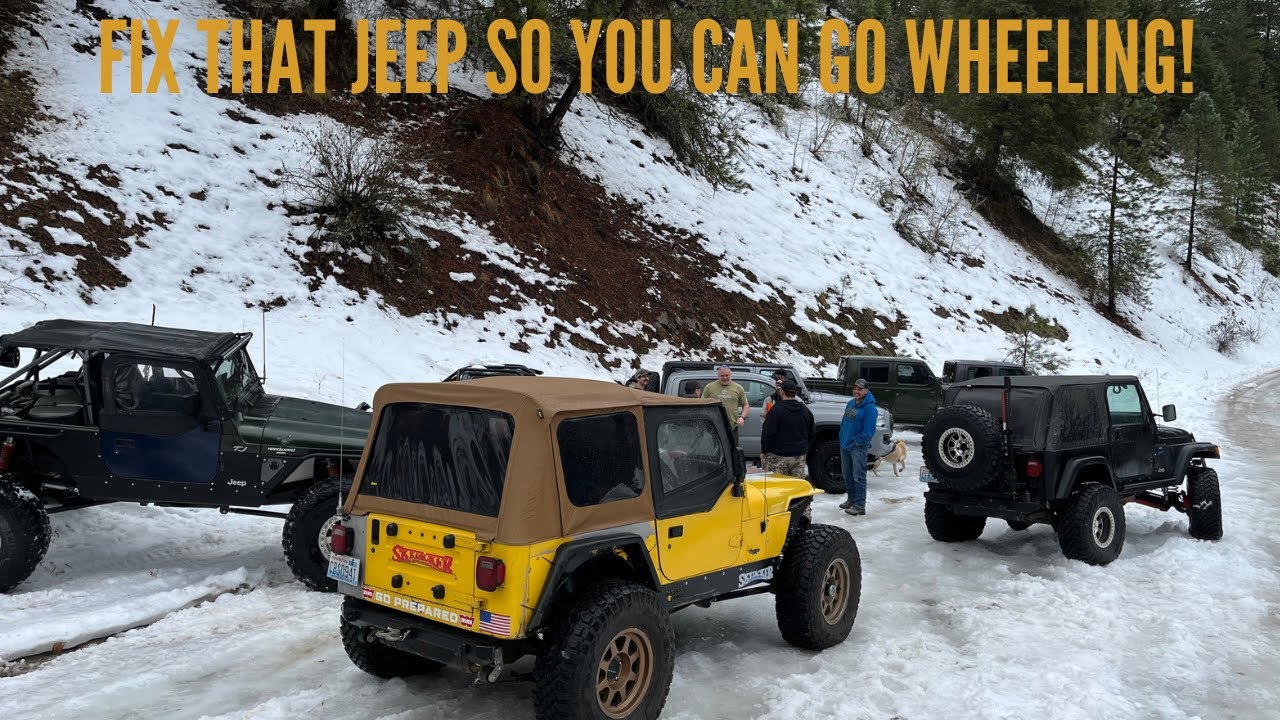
[1034, 468]
[490, 573]
[340, 540]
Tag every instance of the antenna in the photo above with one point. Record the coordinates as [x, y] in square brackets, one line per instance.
[342, 420]
[264, 347]
[153, 314]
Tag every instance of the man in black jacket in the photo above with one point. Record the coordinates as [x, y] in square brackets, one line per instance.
[788, 430]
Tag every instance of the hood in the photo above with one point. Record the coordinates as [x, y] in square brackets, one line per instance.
[1173, 436]
[292, 425]
[822, 396]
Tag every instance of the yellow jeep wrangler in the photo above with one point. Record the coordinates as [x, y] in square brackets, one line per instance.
[566, 519]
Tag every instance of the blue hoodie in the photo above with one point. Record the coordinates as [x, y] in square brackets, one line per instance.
[859, 423]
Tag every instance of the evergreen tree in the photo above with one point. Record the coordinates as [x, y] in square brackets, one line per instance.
[1200, 140]
[1244, 179]
[1121, 253]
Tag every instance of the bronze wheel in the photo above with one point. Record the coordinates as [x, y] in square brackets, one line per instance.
[835, 591]
[610, 655]
[817, 587]
[624, 674]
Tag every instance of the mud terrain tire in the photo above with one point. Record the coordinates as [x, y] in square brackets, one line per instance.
[946, 526]
[306, 533]
[818, 587]
[1092, 527]
[824, 467]
[24, 534]
[1205, 503]
[379, 659]
[611, 656]
[962, 447]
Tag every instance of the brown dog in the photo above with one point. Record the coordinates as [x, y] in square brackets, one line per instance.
[898, 457]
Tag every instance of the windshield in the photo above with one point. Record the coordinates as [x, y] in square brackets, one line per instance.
[237, 379]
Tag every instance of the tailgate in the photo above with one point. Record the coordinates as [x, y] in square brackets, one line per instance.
[424, 561]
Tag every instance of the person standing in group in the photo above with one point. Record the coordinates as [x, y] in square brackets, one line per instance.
[731, 395]
[776, 397]
[856, 430]
[788, 430]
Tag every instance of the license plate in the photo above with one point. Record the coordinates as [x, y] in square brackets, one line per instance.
[926, 476]
[345, 569]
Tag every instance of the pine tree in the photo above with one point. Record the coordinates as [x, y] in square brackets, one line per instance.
[1122, 254]
[1244, 179]
[1200, 140]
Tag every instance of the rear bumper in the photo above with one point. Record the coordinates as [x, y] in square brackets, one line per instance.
[468, 651]
[1000, 507]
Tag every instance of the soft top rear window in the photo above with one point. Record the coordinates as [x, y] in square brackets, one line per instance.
[1027, 407]
[440, 455]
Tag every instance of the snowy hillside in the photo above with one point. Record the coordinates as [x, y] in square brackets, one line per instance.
[112, 205]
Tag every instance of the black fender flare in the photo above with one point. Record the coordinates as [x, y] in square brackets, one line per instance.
[574, 554]
[1073, 468]
[1186, 453]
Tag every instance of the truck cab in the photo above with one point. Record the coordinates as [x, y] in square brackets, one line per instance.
[904, 386]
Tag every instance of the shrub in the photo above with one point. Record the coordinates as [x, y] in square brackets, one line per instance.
[364, 188]
[1229, 333]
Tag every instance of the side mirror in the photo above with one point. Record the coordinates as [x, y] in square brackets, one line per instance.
[739, 472]
[1169, 413]
[363, 407]
[10, 357]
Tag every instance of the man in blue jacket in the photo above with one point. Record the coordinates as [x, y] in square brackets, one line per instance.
[856, 430]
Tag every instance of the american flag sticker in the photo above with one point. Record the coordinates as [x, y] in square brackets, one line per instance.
[495, 623]
[367, 592]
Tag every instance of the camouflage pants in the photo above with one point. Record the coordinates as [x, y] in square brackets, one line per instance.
[793, 466]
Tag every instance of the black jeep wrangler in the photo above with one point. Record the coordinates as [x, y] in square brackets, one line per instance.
[1069, 451]
[106, 412]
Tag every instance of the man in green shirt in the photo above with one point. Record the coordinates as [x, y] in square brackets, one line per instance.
[731, 395]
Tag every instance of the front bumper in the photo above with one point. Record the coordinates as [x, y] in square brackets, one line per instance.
[458, 648]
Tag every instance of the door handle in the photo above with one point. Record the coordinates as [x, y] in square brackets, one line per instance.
[124, 443]
[675, 531]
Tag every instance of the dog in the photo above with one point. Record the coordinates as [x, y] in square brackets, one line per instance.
[897, 457]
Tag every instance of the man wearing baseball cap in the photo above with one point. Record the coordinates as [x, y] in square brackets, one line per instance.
[787, 432]
[856, 430]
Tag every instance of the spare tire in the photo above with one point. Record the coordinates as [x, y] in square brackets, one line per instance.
[962, 447]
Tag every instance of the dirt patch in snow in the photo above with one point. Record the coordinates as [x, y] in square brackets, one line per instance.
[559, 229]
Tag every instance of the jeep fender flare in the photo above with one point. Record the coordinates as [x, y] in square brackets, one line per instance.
[1075, 467]
[574, 554]
[1189, 452]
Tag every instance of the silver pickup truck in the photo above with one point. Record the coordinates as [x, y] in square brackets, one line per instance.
[678, 378]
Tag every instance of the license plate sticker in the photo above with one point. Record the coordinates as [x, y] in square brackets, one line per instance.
[345, 569]
[926, 476]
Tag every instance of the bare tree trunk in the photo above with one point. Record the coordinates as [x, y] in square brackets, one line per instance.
[1111, 234]
[1195, 193]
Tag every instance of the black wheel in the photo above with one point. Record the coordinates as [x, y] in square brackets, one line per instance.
[380, 660]
[610, 656]
[1091, 529]
[24, 534]
[946, 526]
[1018, 525]
[962, 447]
[824, 467]
[818, 587]
[307, 529]
[1205, 503]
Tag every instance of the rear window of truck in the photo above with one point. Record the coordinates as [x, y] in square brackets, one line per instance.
[440, 455]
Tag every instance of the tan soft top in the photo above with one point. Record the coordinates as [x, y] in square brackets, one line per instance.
[535, 506]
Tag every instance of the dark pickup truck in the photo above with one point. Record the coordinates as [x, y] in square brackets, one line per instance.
[906, 387]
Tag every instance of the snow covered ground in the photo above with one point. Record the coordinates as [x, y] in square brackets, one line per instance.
[1000, 628]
